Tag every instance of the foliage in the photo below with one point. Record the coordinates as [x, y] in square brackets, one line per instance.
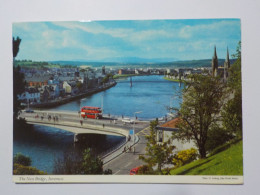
[200, 110]
[16, 44]
[22, 160]
[69, 164]
[184, 157]
[91, 164]
[145, 170]
[157, 154]
[73, 163]
[26, 170]
[107, 77]
[227, 162]
[18, 88]
[22, 166]
[217, 137]
[79, 85]
[18, 80]
[223, 147]
[232, 112]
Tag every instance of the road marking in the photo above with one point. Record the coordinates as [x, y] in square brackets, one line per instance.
[128, 164]
[116, 172]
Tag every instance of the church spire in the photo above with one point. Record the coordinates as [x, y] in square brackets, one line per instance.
[227, 61]
[215, 52]
[214, 63]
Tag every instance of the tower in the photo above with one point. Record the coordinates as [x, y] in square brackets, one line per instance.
[226, 66]
[214, 63]
[227, 62]
[103, 70]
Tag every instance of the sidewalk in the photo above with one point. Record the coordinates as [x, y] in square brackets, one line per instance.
[117, 152]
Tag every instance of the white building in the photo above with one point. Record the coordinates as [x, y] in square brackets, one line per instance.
[31, 95]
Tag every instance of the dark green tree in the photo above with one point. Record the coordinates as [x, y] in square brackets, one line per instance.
[157, 154]
[22, 166]
[199, 113]
[22, 160]
[18, 80]
[84, 163]
[16, 45]
[91, 164]
[232, 112]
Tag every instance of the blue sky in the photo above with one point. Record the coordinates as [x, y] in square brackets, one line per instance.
[111, 40]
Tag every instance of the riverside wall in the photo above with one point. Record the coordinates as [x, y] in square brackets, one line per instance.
[72, 98]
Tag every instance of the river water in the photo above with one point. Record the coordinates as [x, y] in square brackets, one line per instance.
[150, 96]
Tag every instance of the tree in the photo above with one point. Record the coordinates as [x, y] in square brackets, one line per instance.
[16, 44]
[22, 160]
[22, 166]
[91, 164]
[232, 112]
[75, 163]
[26, 170]
[200, 110]
[157, 154]
[18, 79]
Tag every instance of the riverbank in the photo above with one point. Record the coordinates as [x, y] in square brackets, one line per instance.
[55, 103]
[173, 80]
[118, 76]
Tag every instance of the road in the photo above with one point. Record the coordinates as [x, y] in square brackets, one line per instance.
[126, 161]
[122, 163]
[75, 118]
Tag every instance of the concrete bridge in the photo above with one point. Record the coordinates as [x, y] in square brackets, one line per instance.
[72, 122]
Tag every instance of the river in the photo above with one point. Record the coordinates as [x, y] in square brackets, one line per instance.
[150, 96]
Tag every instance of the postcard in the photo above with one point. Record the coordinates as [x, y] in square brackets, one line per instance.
[128, 101]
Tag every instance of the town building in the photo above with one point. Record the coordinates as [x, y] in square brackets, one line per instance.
[164, 133]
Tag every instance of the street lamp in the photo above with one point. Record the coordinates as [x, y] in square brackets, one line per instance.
[134, 125]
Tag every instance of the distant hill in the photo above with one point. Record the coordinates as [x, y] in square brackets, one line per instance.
[173, 64]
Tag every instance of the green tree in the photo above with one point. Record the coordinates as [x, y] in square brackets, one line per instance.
[18, 80]
[232, 112]
[200, 110]
[26, 170]
[16, 44]
[91, 164]
[22, 160]
[79, 163]
[18, 88]
[22, 166]
[157, 154]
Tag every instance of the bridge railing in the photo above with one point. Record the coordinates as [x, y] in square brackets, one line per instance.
[113, 149]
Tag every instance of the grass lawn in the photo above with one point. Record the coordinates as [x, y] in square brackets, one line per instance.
[227, 162]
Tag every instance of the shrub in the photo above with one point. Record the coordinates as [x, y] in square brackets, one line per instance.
[145, 170]
[22, 160]
[185, 156]
[26, 170]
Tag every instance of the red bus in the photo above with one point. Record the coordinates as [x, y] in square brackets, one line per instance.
[91, 112]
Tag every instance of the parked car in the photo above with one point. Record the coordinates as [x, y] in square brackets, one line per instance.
[29, 111]
[134, 171]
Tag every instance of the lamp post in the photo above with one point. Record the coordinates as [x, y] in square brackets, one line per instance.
[134, 125]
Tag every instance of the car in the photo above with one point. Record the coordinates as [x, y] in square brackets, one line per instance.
[29, 111]
[135, 170]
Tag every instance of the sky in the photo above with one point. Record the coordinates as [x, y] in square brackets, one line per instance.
[116, 40]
